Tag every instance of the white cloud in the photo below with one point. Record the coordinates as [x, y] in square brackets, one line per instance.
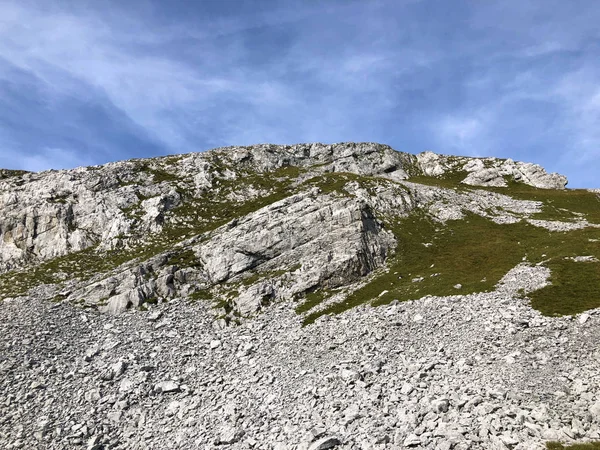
[464, 133]
[579, 95]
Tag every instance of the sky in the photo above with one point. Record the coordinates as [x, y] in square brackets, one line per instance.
[88, 82]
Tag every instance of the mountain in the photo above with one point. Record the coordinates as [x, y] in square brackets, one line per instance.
[305, 296]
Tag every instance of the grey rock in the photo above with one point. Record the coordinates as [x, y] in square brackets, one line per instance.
[595, 411]
[230, 434]
[166, 387]
[441, 405]
[94, 443]
[325, 443]
[412, 440]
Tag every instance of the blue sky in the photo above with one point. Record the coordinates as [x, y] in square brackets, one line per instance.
[90, 82]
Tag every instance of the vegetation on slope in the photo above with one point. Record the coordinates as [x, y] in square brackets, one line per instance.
[433, 258]
[584, 446]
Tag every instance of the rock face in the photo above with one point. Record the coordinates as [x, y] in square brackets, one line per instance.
[227, 299]
[333, 241]
[490, 171]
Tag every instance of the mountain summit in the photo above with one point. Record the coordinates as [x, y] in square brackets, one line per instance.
[228, 296]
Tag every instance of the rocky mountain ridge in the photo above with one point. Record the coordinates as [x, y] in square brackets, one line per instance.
[244, 241]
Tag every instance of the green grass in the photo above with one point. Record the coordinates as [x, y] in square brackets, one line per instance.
[334, 181]
[449, 180]
[584, 446]
[134, 211]
[575, 288]
[159, 175]
[184, 258]
[558, 204]
[311, 300]
[203, 294]
[477, 253]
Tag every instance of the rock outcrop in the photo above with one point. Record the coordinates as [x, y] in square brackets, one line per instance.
[490, 171]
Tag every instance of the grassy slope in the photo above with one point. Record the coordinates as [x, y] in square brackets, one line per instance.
[476, 253]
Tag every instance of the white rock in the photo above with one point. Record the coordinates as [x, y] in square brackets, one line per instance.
[166, 386]
[583, 318]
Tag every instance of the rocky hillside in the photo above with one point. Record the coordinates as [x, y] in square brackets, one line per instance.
[299, 297]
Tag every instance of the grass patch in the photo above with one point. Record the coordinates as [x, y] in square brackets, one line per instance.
[450, 180]
[59, 199]
[558, 204]
[312, 299]
[584, 446]
[201, 295]
[262, 275]
[159, 175]
[574, 289]
[334, 182]
[184, 258]
[134, 212]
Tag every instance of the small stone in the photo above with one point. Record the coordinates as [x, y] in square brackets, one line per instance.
[118, 368]
[441, 405]
[325, 443]
[412, 440]
[458, 286]
[215, 344]
[349, 375]
[154, 316]
[166, 386]
[91, 352]
[382, 439]
[94, 443]
[595, 410]
[173, 408]
[37, 385]
[126, 385]
[115, 416]
[407, 388]
[583, 318]
[229, 434]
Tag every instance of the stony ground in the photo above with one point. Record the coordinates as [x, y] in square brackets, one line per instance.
[482, 371]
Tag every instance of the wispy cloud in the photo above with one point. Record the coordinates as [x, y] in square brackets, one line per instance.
[464, 133]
